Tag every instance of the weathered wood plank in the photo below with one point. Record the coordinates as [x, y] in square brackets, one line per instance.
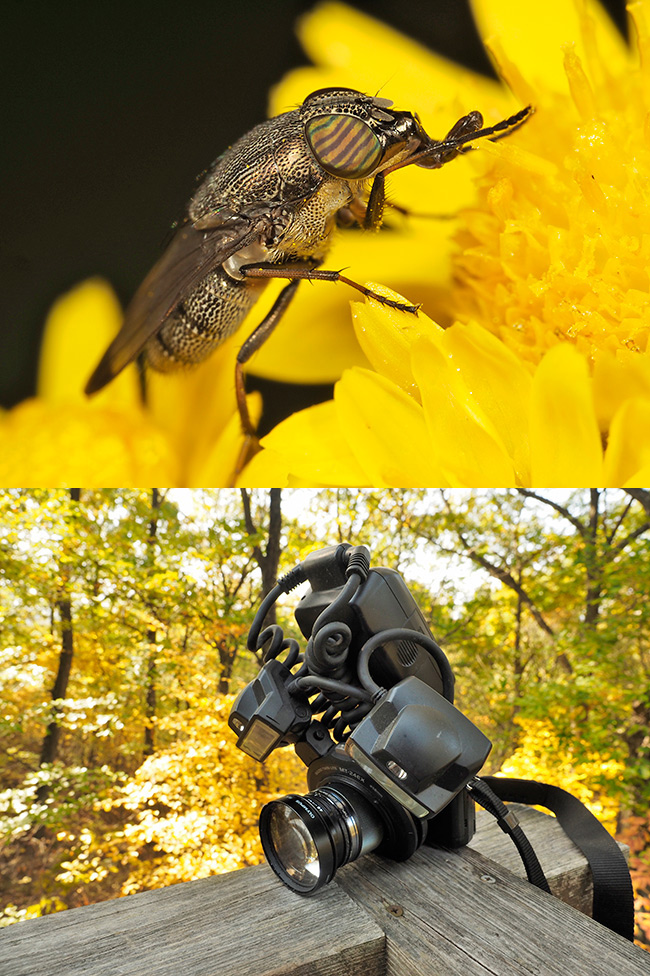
[564, 865]
[240, 924]
[455, 913]
[443, 913]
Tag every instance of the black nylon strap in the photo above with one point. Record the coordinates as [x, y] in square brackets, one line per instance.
[613, 903]
[507, 821]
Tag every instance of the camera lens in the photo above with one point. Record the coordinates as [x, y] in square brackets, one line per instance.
[293, 845]
[307, 838]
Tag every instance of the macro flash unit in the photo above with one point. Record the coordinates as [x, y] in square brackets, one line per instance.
[259, 739]
[391, 762]
[265, 715]
[368, 706]
[418, 746]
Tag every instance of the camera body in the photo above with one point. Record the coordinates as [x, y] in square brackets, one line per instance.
[370, 713]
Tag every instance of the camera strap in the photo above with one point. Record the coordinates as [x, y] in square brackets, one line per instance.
[613, 900]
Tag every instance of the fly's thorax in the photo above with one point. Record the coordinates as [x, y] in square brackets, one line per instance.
[309, 232]
[271, 163]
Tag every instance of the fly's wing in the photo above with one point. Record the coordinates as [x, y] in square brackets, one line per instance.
[193, 253]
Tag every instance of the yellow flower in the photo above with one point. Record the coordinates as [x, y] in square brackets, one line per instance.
[530, 361]
[185, 435]
[543, 378]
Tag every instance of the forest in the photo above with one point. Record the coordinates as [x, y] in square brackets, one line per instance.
[123, 623]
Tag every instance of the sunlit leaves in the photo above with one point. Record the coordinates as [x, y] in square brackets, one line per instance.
[193, 807]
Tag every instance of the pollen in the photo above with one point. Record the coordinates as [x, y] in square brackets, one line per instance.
[558, 247]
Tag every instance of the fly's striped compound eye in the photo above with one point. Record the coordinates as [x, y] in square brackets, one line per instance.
[343, 145]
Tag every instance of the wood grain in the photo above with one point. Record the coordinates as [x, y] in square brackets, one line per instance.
[456, 913]
[448, 913]
[240, 924]
[564, 865]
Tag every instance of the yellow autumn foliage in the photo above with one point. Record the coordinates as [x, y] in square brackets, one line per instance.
[542, 756]
[193, 806]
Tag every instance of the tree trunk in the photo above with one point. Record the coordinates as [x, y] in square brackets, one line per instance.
[592, 563]
[51, 739]
[63, 605]
[151, 690]
[268, 559]
[271, 561]
[227, 654]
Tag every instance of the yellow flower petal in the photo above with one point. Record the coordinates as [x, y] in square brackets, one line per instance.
[500, 383]
[67, 445]
[217, 468]
[467, 446]
[532, 36]
[266, 470]
[386, 430]
[78, 329]
[315, 449]
[356, 49]
[628, 447]
[566, 450]
[640, 480]
[386, 335]
[639, 30]
[617, 379]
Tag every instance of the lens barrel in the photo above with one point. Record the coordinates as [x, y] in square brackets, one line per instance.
[307, 838]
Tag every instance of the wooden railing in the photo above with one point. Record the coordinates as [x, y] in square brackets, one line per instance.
[466, 913]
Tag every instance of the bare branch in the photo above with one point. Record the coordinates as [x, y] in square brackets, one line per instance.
[561, 509]
[610, 537]
[250, 525]
[641, 495]
[631, 537]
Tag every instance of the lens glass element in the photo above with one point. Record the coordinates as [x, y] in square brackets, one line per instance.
[293, 844]
[307, 838]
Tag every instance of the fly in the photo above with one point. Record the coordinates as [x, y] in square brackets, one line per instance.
[267, 209]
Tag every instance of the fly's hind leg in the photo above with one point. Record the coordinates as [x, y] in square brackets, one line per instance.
[259, 336]
[255, 340]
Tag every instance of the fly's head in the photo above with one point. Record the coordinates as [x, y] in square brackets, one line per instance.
[354, 136]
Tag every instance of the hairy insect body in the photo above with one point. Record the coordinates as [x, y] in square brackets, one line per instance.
[274, 176]
[267, 208]
[211, 312]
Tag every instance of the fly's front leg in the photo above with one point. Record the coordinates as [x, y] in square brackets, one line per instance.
[370, 216]
[367, 215]
[313, 274]
[436, 156]
[376, 202]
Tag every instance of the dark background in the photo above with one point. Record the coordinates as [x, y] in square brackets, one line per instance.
[112, 108]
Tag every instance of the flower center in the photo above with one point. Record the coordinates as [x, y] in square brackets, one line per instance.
[558, 248]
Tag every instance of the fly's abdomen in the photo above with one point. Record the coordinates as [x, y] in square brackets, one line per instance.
[212, 312]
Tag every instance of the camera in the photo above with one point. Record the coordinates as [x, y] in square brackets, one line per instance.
[369, 709]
